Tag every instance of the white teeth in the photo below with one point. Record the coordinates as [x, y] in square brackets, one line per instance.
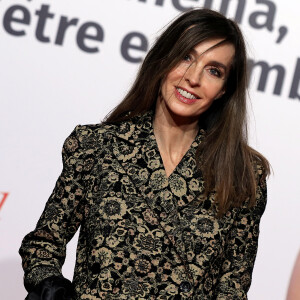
[186, 94]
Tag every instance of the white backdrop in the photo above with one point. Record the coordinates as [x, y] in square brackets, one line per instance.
[50, 82]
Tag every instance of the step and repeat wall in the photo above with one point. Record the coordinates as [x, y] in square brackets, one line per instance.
[69, 62]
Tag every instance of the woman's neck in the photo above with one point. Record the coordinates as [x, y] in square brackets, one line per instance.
[174, 134]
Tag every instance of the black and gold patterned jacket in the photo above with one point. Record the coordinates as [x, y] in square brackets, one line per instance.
[143, 235]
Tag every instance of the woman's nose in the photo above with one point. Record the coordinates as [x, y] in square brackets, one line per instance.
[193, 75]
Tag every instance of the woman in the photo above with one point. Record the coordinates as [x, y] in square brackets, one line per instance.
[167, 192]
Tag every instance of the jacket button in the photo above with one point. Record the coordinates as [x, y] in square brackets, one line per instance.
[185, 286]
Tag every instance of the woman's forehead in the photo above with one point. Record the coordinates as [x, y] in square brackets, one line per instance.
[218, 49]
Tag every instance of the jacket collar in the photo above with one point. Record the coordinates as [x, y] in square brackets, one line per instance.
[134, 146]
[134, 130]
[140, 128]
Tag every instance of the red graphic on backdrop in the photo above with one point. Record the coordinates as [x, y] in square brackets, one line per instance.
[3, 196]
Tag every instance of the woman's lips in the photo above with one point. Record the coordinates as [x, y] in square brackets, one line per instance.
[184, 99]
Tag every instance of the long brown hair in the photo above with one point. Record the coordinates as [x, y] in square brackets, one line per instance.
[224, 157]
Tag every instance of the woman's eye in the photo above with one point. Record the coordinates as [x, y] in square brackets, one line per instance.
[187, 57]
[215, 72]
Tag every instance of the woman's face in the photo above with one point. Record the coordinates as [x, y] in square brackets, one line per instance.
[199, 79]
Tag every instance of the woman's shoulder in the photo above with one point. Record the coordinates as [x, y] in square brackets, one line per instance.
[90, 137]
[260, 164]
[98, 128]
[106, 132]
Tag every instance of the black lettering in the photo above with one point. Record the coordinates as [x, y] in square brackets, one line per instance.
[239, 11]
[64, 24]
[83, 35]
[157, 2]
[265, 70]
[208, 4]
[282, 33]
[9, 18]
[295, 84]
[269, 16]
[127, 45]
[43, 15]
[177, 4]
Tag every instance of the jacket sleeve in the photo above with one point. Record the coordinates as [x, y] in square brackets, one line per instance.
[242, 248]
[43, 250]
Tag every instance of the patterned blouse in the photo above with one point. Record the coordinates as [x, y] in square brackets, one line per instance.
[143, 235]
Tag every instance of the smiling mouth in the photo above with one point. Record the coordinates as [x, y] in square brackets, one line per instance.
[186, 94]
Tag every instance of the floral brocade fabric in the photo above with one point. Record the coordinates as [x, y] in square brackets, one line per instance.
[143, 235]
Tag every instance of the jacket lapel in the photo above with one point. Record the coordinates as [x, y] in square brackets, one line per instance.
[135, 148]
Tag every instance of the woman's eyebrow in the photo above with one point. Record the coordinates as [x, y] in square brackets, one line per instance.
[218, 64]
[213, 62]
